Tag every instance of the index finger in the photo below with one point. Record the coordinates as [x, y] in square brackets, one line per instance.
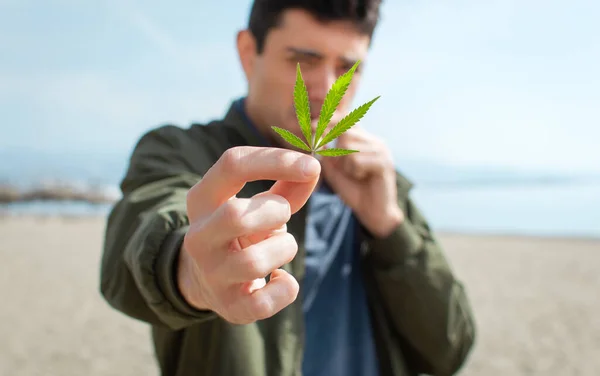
[242, 164]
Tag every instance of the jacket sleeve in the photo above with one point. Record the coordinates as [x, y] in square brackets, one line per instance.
[426, 303]
[144, 232]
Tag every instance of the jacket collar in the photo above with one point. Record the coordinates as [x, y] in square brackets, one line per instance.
[237, 119]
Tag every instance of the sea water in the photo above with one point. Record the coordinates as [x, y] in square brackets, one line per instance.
[452, 200]
[552, 210]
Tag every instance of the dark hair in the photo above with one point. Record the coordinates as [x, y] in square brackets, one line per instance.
[266, 14]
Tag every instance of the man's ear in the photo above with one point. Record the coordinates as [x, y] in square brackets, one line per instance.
[246, 47]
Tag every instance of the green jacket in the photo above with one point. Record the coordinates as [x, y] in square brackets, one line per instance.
[421, 315]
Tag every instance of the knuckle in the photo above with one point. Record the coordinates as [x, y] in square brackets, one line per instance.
[287, 159]
[290, 243]
[279, 230]
[261, 307]
[387, 161]
[283, 208]
[351, 164]
[233, 213]
[255, 263]
[231, 158]
[389, 164]
[290, 291]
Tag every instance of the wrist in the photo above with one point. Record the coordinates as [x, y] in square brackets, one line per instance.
[403, 242]
[382, 226]
[187, 275]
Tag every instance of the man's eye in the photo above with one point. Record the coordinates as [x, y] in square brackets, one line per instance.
[347, 67]
[307, 59]
[344, 69]
[305, 62]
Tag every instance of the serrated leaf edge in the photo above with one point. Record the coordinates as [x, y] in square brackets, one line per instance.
[297, 140]
[335, 152]
[347, 122]
[333, 99]
[302, 107]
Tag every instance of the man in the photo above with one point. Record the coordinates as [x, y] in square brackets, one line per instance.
[248, 258]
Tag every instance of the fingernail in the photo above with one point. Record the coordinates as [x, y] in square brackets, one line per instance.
[311, 166]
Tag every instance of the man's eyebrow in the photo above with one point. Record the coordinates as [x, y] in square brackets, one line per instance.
[317, 55]
[305, 52]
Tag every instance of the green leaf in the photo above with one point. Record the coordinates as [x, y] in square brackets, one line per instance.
[333, 99]
[335, 152]
[347, 122]
[302, 106]
[291, 138]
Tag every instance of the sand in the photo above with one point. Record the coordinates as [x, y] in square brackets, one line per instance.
[535, 302]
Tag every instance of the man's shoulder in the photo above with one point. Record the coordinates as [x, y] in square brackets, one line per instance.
[172, 148]
[210, 134]
[210, 139]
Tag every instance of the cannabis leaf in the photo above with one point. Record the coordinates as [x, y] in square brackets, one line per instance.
[291, 138]
[346, 123]
[332, 100]
[335, 152]
[302, 106]
[315, 142]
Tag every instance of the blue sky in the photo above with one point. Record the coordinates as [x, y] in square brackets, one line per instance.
[502, 83]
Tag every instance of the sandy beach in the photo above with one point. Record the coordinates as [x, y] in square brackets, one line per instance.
[535, 300]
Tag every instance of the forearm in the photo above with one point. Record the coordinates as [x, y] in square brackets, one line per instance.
[140, 261]
[427, 304]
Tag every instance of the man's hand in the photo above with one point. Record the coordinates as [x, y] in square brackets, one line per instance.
[234, 243]
[366, 181]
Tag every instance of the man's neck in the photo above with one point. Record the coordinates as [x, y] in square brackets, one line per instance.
[257, 121]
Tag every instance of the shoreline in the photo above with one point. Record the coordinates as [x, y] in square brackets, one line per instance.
[442, 233]
[56, 192]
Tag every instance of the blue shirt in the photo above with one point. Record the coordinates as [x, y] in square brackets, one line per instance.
[339, 338]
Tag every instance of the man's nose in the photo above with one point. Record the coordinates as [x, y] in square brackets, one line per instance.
[318, 85]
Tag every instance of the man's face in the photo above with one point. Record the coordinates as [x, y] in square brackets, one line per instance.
[324, 51]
